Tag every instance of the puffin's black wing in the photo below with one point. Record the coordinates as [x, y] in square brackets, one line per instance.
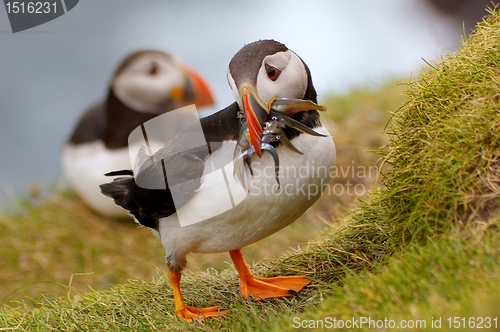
[169, 166]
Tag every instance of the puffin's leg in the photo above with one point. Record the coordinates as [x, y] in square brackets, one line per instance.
[263, 288]
[189, 313]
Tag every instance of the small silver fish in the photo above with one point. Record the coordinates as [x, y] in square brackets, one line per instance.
[289, 106]
[281, 111]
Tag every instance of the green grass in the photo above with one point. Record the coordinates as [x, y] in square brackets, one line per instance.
[447, 277]
[423, 245]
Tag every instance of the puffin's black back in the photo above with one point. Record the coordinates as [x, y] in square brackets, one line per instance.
[91, 126]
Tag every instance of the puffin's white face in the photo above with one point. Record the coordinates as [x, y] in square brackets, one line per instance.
[281, 75]
[148, 82]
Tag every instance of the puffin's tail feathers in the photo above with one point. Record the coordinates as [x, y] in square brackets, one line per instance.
[118, 189]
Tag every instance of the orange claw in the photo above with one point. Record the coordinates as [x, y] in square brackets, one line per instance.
[264, 288]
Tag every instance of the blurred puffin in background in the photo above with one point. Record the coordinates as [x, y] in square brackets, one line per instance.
[279, 148]
[147, 83]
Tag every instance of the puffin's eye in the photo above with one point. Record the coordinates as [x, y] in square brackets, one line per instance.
[272, 72]
[153, 70]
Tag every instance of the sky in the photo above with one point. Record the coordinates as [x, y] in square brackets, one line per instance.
[51, 73]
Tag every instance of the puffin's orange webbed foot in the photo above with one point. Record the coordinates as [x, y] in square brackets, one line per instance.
[264, 288]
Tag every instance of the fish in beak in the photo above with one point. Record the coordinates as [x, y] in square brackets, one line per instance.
[257, 112]
[264, 125]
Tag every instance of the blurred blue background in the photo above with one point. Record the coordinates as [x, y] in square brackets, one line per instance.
[51, 73]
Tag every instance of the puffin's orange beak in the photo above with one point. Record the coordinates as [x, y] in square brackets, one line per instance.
[255, 114]
[197, 89]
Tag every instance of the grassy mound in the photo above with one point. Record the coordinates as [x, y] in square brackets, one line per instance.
[444, 150]
[423, 246]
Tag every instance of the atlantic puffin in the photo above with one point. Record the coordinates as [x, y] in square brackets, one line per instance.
[258, 74]
[146, 84]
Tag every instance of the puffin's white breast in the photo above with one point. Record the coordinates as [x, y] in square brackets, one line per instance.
[261, 212]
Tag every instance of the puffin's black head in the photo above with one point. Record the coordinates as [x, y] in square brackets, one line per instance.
[146, 84]
[261, 72]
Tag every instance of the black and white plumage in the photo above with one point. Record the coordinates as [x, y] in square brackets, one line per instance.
[257, 74]
[146, 84]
